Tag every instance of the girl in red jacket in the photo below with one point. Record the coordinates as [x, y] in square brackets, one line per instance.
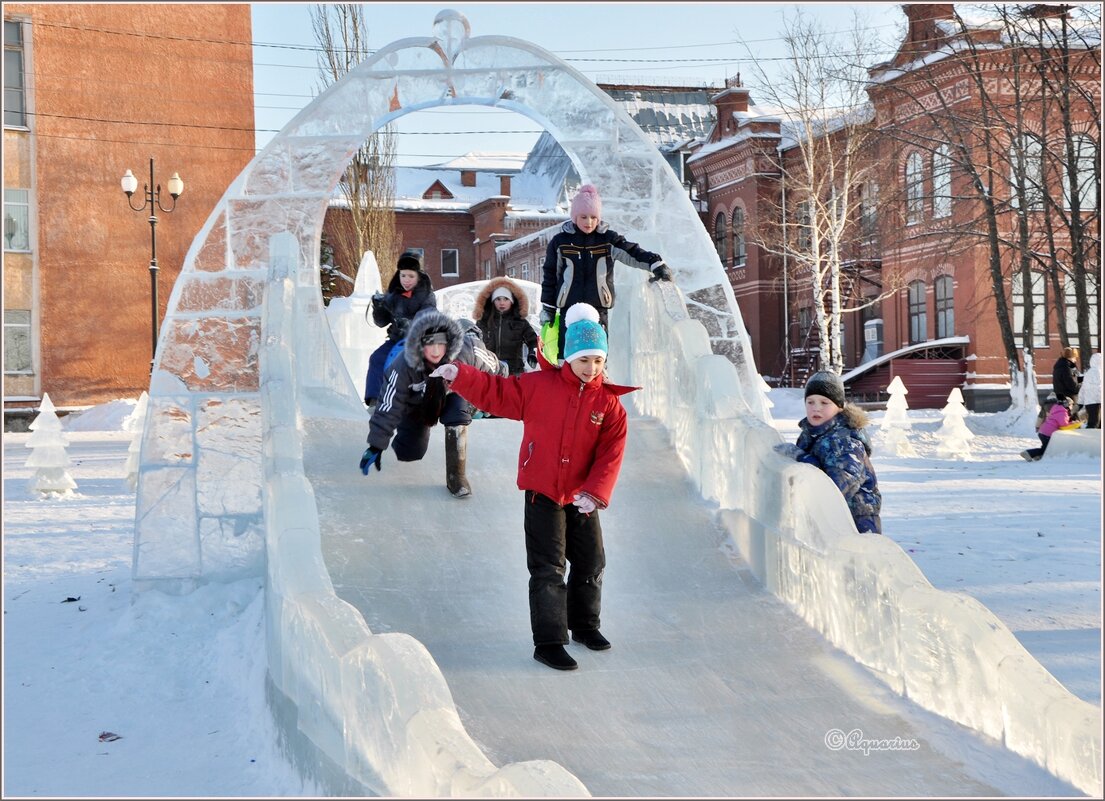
[573, 441]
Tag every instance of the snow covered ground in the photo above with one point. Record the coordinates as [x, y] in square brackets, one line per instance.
[180, 681]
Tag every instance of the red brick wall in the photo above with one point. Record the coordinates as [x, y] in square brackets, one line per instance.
[115, 85]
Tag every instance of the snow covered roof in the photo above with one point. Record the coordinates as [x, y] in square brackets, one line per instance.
[498, 162]
[668, 116]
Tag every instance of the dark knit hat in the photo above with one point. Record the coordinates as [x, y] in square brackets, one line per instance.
[410, 260]
[828, 385]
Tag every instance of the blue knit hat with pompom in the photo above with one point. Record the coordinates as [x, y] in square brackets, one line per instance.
[584, 336]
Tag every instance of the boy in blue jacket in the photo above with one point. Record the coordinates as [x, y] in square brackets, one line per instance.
[833, 440]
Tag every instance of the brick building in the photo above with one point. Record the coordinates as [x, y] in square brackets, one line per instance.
[89, 92]
[937, 326]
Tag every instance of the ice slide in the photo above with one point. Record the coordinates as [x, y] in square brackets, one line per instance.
[712, 687]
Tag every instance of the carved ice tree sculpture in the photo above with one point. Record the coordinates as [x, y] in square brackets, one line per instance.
[896, 423]
[953, 436]
[200, 489]
[48, 455]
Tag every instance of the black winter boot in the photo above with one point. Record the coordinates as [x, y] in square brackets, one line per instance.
[592, 639]
[456, 455]
[555, 657]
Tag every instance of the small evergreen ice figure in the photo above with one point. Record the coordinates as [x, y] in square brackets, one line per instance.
[48, 456]
[953, 436]
[134, 423]
[896, 423]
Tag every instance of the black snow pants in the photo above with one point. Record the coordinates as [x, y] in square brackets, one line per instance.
[555, 535]
[412, 437]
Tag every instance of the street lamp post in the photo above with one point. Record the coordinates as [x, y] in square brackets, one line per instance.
[152, 192]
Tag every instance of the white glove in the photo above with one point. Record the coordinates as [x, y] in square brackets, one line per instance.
[446, 371]
[584, 504]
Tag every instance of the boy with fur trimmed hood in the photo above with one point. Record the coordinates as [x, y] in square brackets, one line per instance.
[500, 311]
[412, 402]
[833, 439]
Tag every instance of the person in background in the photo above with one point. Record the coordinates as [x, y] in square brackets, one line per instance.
[1089, 394]
[409, 292]
[573, 441]
[500, 311]
[1058, 417]
[411, 403]
[1064, 375]
[579, 262]
[834, 440]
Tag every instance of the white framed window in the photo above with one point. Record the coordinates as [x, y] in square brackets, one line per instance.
[869, 211]
[487, 269]
[17, 219]
[1070, 308]
[1039, 309]
[941, 182]
[914, 189]
[1085, 159]
[525, 271]
[1033, 154]
[15, 93]
[17, 341]
[805, 228]
[943, 289]
[918, 313]
[450, 262]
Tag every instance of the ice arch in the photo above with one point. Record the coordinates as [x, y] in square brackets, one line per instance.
[200, 494]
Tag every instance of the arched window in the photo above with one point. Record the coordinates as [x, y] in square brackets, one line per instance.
[720, 240]
[740, 255]
[945, 306]
[914, 189]
[1085, 150]
[918, 313]
[1039, 309]
[1030, 161]
[941, 182]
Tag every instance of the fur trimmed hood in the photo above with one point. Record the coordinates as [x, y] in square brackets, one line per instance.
[857, 418]
[483, 299]
[427, 321]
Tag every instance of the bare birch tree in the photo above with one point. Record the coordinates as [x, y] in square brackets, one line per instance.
[820, 100]
[368, 184]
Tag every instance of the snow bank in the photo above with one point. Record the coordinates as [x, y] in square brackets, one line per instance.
[945, 651]
[1084, 442]
[106, 417]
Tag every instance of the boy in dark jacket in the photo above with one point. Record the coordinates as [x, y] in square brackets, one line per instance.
[500, 311]
[409, 292]
[572, 446]
[411, 402]
[833, 439]
[579, 262]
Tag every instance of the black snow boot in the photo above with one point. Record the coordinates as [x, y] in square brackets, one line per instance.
[592, 639]
[555, 657]
[456, 454]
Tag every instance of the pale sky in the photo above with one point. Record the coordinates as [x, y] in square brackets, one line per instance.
[615, 42]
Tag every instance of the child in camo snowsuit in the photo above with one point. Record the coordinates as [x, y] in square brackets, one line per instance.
[833, 439]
